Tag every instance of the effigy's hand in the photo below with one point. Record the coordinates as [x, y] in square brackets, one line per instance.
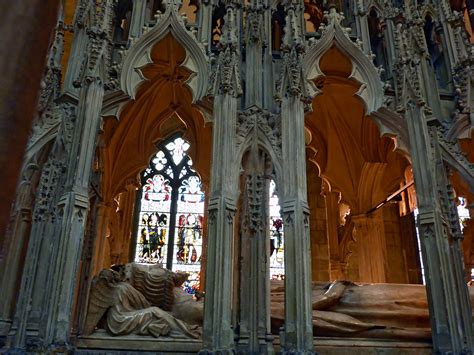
[331, 297]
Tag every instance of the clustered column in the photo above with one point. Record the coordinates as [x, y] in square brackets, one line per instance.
[218, 334]
[297, 337]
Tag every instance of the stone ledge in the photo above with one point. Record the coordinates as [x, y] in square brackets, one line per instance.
[102, 343]
[356, 346]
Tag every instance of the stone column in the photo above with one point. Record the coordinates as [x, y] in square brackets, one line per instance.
[202, 279]
[297, 335]
[332, 223]
[390, 43]
[11, 265]
[298, 329]
[268, 74]
[205, 23]
[20, 85]
[371, 250]
[320, 259]
[102, 221]
[218, 335]
[449, 314]
[127, 208]
[447, 195]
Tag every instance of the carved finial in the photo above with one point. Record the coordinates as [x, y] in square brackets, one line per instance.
[292, 81]
[333, 17]
[255, 30]
[293, 35]
[226, 76]
[408, 65]
[173, 5]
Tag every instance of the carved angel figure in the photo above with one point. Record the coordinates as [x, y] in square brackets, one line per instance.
[115, 300]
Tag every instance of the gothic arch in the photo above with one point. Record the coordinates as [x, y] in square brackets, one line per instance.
[264, 144]
[130, 140]
[362, 69]
[352, 155]
[139, 55]
[362, 72]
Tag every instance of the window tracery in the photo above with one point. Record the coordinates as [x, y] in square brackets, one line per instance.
[171, 213]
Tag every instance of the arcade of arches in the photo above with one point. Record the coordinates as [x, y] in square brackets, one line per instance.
[350, 170]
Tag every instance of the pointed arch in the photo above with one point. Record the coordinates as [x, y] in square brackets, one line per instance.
[363, 74]
[363, 70]
[139, 55]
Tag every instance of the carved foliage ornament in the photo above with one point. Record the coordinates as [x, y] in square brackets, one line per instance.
[225, 78]
[292, 80]
[260, 122]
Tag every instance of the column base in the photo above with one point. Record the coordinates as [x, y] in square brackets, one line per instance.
[265, 345]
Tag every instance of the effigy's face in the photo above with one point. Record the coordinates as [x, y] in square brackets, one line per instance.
[128, 272]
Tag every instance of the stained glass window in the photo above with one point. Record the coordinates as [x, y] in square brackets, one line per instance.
[277, 260]
[171, 213]
[463, 212]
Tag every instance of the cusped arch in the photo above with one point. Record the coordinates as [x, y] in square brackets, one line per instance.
[363, 72]
[263, 143]
[139, 55]
[371, 89]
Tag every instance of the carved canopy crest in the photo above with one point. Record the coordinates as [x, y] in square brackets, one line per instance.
[139, 54]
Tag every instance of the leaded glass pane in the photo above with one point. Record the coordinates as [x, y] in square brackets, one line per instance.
[277, 260]
[172, 200]
[189, 230]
